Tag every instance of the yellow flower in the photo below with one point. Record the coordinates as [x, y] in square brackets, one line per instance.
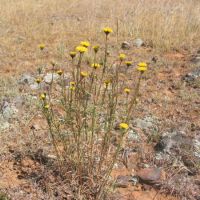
[72, 88]
[81, 49]
[60, 72]
[142, 64]
[46, 106]
[106, 83]
[85, 44]
[72, 83]
[43, 96]
[128, 63]
[124, 126]
[84, 74]
[142, 69]
[38, 80]
[107, 30]
[127, 91]
[122, 56]
[41, 46]
[95, 65]
[96, 48]
[72, 54]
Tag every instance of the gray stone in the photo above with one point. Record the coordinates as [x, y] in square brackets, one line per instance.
[122, 181]
[26, 79]
[138, 42]
[170, 141]
[133, 136]
[125, 45]
[145, 123]
[196, 59]
[125, 181]
[9, 111]
[192, 76]
[48, 77]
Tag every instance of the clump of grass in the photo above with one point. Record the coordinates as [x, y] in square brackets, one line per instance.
[89, 107]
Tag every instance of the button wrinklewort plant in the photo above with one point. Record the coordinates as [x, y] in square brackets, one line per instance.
[90, 106]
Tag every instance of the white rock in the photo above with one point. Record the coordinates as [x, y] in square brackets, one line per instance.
[48, 77]
[9, 111]
[26, 79]
[138, 42]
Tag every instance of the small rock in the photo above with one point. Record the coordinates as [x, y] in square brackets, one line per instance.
[48, 77]
[125, 45]
[138, 42]
[146, 123]
[26, 79]
[9, 111]
[34, 86]
[169, 142]
[133, 136]
[124, 181]
[149, 175]
[192, 76]
[196, 59]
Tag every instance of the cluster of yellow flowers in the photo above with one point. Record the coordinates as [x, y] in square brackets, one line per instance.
[82, 48]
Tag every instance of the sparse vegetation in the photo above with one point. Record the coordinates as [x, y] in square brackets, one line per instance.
[83, 114]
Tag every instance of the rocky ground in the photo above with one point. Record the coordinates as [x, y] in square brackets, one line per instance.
[161, 159]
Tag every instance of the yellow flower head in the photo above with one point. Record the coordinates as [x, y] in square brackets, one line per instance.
[72, 88]
[43, 96]
[72, 83]
[128, 63]
[142, 69]
[127, 90]
[72, 54]
[96, 48]
[81, 49]
[38, 80]
[123, 126]
[96, 65]
[142, 64]
[41, 46]
[122, 56]
[107, 30]
[59, 72]
[85, 44]
[84, 74]
[46, 106]
[106, 83]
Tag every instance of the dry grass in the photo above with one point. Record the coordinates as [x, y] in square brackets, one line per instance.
[164, 24]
